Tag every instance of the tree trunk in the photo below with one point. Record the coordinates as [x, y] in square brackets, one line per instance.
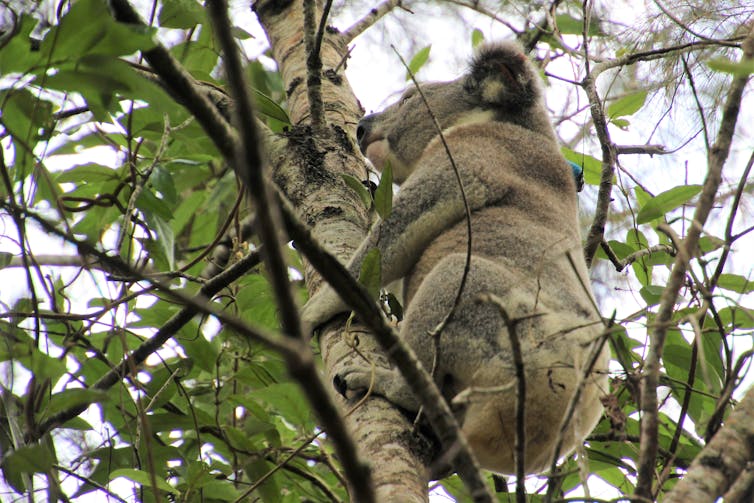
[308, 171]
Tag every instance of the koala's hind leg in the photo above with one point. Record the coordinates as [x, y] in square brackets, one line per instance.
[467, 343]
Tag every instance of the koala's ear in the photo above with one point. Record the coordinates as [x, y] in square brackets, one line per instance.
[502, 76]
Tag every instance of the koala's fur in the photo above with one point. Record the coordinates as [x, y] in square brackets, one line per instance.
[524, 220]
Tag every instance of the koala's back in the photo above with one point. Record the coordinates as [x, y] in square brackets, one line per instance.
[530, 222]
[524, 226]
[520, 241]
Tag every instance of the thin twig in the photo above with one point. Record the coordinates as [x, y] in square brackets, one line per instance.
[194, 305]
[596, 351]
[466, 208]
[519, 440]
[182, 85]
[633, 257]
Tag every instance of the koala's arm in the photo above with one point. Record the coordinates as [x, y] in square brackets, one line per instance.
[428, 203]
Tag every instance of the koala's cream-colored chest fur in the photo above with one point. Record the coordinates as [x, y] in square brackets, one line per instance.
[524, 225]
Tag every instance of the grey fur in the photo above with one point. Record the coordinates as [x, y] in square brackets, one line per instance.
[524, 221]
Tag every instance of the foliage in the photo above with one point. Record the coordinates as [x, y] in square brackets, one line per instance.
[93, 145]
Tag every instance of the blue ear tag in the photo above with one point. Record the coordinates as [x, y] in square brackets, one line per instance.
[578, 175]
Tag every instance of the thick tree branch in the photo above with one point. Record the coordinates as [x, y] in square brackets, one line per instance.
[307, 169]
[250, 167]
[687, 250]
[722, 461]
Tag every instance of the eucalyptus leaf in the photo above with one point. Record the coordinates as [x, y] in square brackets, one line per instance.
[418, 61]
[370, 274]
[667, 201]
[383, 195]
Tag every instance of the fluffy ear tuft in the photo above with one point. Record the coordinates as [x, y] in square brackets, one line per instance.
[502, 76]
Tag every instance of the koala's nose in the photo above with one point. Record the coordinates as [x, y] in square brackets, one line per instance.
[361, 132]
[364, 132]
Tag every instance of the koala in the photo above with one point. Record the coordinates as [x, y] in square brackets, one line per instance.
[522, 196]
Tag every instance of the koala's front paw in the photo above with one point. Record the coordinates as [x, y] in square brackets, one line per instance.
[321, 307]
[353, 382]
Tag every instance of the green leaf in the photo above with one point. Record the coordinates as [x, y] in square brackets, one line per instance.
[709, 244]
[24, 114]
[87, 173]
[5, 259]
[477, 37]
[737, 68]
[17, 54]
[667, 201]
[89, 28]
[73, 397]
[27, 459]
[200, 350]
[592, 166]
[383, 195]
[568, 25]
[418, 61]
[256, 301]
[642, 196]
[142, 478]
[356, 185]
[627, 105]
[287, 401]
[35, 458]
[165, 242]
[651, 294]
[736, 283]
[181, 14]
[267, 106]
[370, 274]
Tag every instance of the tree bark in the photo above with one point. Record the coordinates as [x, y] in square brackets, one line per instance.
[723, 460]
[308, 171]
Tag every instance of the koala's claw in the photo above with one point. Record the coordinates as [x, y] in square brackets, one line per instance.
[352, 382]
[340, 385]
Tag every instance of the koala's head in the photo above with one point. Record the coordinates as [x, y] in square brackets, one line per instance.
[501, 85]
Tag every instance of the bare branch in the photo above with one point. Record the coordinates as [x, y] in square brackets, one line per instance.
[597, 229]
[679, 22]
[367, 21]
[662, 52]
[716, 159]
[476, 6]
[630, 259]
[641, 149]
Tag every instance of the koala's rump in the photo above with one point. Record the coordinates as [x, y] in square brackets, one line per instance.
[553, 347]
